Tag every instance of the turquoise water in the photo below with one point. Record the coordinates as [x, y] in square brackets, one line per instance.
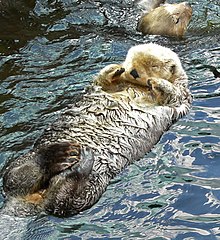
[51, 50]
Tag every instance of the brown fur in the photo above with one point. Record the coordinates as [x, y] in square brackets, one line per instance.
[35, 198]
[168, 20]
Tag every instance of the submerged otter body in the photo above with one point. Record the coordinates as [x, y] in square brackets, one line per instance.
[72, 163]
[166, 20]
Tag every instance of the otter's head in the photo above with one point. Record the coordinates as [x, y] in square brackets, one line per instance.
[108, 75]
[162, 62]
[167, 20]
[147, 61]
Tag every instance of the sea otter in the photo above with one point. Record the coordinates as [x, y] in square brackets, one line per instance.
[93, 140]
[167, 20]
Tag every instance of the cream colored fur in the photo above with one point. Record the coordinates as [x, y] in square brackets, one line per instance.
[159, 73]
[168, 20]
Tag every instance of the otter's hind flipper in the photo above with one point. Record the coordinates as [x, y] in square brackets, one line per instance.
[63, 197]
[84, 167]
[58, 157]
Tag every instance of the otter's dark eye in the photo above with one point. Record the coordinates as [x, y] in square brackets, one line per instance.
[172, 69]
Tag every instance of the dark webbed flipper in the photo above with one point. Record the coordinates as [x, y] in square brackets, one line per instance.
[33, 171]
[23, 179]
[84, 167]
[58, 157]
[70, 180]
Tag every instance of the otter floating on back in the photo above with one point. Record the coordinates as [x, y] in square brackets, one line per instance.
[112, 125]
[167, 20]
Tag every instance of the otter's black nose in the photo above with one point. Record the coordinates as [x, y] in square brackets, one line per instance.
[134, 73]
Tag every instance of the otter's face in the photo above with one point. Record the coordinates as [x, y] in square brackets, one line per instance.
[180, 14]
[151, 67]
[165, 69]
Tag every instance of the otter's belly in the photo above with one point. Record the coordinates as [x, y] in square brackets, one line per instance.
[118, 132]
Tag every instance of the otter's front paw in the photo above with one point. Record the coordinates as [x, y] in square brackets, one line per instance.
[159, 86]
[154, 85]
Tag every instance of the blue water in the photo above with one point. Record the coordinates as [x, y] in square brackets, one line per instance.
[51, 50]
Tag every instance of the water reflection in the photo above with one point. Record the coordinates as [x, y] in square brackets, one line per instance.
[17, 20]
[49, 51]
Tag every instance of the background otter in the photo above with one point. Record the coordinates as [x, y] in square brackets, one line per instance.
[168, 20]
[73, 161]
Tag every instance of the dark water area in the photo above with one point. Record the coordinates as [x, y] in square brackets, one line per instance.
[51, 50]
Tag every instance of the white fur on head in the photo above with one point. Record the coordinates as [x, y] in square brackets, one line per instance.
[153, 49]
[170, 8]
[151, 60]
